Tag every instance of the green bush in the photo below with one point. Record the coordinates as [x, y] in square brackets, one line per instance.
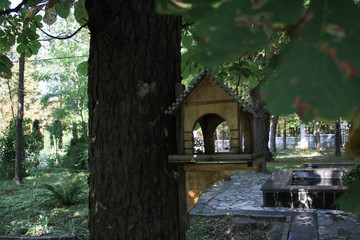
[76, 155]
[66, 193]
[76, 152]
[32, 145]
[352, 175]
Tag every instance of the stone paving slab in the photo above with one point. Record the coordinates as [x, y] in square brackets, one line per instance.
[242, 196]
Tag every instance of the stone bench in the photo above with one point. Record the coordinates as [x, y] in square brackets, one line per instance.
[316, 165]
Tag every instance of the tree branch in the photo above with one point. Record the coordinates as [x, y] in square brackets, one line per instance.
[186, 25]
[61, 38]
[16, 9]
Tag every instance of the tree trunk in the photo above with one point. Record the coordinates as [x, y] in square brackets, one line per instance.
[19, 120]
[317, 142]
[261, 127]
[337, 138]
[11, 100]
[83, 126]
[273, 134]
[2, 114]
[134, 64]
[284, 134]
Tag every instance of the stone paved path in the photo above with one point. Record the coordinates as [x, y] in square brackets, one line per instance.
[242, 195]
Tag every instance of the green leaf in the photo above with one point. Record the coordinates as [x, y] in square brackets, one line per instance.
[186, 41]
[36, 43]
[283, 12]
[253, 81]
[237, 27]
[34, 50]
[63, 8]
[350, 201]
[11, 39]
[82, 68]
[5, 67]
[6, 61]
[318, 73]
[80, 13]
[28, 53]
[20, 38]
[21, 48]
[4, 4]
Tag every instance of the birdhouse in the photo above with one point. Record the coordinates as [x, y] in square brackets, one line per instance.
[209, 102]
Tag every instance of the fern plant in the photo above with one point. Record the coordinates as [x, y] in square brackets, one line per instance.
[66, 193]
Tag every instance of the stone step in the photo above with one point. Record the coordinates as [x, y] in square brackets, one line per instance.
[303, 226]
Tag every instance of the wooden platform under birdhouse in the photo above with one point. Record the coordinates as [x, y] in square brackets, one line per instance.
[198, 171]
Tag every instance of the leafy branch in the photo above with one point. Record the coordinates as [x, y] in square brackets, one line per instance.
[16, 9]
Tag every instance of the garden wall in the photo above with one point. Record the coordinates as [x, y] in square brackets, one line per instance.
[326, 141]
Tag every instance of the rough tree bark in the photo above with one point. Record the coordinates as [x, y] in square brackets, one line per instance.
[261, 127]
[273, 133]
[337, 138]
[134, 64]
[19, 121]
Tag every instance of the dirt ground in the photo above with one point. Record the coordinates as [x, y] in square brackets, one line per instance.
[236, 228]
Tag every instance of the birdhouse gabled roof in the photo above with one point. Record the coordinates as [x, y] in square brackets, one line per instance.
[177, 103]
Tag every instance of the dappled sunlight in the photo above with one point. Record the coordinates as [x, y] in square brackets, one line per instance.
[24, 211]
[191, 194]
[194, 196]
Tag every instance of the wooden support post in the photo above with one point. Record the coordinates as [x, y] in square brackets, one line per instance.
[184, 223]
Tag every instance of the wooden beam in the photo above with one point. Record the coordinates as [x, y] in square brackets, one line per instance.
[208, 102]
[197, 158]
[219, 167]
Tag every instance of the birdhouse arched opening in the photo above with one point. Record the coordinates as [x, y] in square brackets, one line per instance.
[211, 134]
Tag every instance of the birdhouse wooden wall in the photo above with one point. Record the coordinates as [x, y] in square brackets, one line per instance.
[210, 104]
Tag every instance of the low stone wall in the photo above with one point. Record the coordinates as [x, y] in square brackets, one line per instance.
[326, 141]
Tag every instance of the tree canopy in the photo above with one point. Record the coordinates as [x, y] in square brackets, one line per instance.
[315, 74]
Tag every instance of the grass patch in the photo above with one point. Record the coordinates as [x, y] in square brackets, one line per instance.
[306, 151]
[295, 158]
[24, 210]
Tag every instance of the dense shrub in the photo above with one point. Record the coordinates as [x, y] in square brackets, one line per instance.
[31, 146]
[77, 151]
[76, 155]
[352, 175]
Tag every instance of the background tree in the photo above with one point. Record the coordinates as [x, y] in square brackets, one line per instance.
[56, 130]
[30, 141]
[60, 70]
[317, 142]
[37, 143]
[273, 133]
[19, 121]
[261, 127]
[284, 134]
[337, 138]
